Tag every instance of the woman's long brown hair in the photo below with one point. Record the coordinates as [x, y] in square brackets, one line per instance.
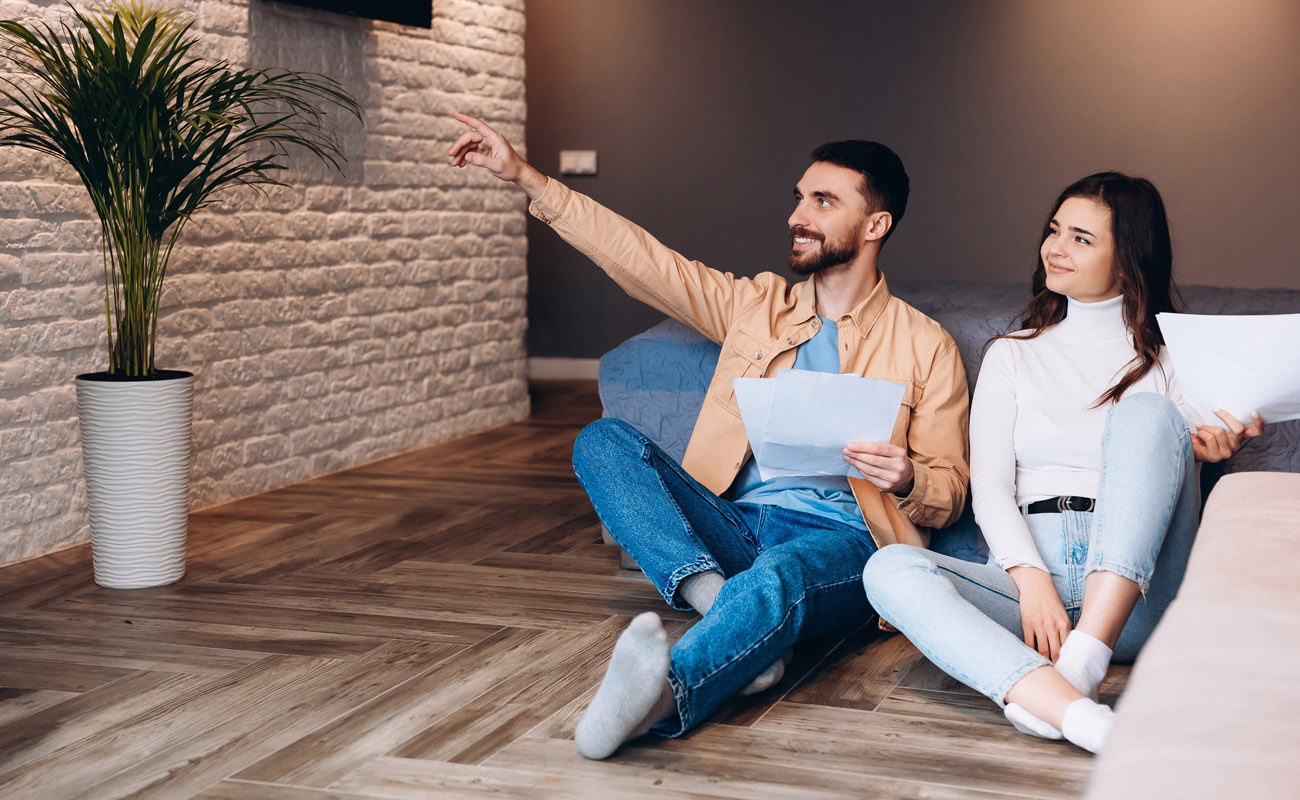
[1143, 264]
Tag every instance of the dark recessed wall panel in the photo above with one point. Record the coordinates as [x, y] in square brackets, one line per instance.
[703, 114]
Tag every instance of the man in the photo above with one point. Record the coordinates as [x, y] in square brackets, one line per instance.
[782, 561]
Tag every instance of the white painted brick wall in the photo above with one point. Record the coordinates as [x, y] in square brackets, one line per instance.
[336, 322]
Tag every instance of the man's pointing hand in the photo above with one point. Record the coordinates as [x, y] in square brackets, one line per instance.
[482, 146]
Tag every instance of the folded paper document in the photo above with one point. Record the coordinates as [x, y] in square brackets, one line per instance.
[1237, 363]
[799, 421]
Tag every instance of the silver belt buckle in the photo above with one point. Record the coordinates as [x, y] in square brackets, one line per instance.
[1063, 504]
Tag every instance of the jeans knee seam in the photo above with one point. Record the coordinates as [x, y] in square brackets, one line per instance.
[953, 574]
[709, 497]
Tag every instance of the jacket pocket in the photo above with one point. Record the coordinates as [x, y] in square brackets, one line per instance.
[911, 394]
[742, 356]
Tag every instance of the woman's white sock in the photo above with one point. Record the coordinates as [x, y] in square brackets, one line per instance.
[1087, 724]
[1083, 662]
[1029, 724]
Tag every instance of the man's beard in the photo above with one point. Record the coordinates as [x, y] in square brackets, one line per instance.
[829, 254]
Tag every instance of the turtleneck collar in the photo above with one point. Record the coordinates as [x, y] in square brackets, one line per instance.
[1101, 320]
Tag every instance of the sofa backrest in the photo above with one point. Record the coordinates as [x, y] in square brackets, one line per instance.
[657, 379]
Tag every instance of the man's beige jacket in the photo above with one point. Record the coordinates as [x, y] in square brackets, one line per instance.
[759, 322]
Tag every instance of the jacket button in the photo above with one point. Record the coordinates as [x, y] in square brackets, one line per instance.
[757, 355]
[790, 340]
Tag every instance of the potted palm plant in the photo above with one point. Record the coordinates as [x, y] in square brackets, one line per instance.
[154, 133]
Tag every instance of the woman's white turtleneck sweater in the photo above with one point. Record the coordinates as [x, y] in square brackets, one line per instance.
[1034, 431]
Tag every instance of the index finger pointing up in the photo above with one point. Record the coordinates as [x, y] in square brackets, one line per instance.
[475, 123]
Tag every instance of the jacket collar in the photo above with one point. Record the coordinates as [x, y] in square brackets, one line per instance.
[863, 315]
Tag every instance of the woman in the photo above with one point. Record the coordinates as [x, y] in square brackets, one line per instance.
[1082, 474]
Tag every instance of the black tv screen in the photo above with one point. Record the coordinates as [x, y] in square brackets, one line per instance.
[404, 12]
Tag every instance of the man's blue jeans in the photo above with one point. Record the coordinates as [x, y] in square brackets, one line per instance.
[791, 576]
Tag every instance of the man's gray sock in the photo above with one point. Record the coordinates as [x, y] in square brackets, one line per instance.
[633, 683]
[701, 589]
[769, 677]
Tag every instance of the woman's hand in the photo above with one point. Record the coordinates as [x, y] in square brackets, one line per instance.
[483, 147]
[885, 465]
[1211, 443]
[1042, 614]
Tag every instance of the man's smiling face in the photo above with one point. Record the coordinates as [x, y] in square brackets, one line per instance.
[829, 219]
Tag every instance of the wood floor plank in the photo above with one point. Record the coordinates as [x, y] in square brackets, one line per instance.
[81, 716]
[563, 538]
[16, 704]
[308, 616]
[942, 705]
[32, 583]
[861, 673]
[518, 606]
[512, 707]
[617, 582]
[242, 739]
[890, 760]
[385, 723]
[302, 546]
[809, 659]
[678, 767]
[189, 632]
[925, 675]
[252, 790]
[55, 674]
[597, 562]
[136, 654]
[417, 779]
[71, 770]
[985, 738]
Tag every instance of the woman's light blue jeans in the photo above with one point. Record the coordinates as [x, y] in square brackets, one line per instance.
[791, 576]
[965, 617]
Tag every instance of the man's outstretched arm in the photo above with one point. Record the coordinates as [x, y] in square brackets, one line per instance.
[483, 147]
[686, 290]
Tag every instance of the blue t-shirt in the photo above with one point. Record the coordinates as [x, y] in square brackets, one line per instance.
[823, 495]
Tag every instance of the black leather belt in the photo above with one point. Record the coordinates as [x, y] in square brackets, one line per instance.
[1055, 505]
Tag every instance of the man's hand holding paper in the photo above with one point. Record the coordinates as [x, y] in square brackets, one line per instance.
[886, 466]
[800, 422]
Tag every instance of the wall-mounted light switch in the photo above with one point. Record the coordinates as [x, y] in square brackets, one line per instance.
[577, 162]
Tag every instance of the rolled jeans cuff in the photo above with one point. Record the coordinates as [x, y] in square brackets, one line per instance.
[1141, 577]
[681, 722]
[696, 567]
[999, 694]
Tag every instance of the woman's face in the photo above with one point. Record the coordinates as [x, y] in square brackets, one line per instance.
[1079, 252]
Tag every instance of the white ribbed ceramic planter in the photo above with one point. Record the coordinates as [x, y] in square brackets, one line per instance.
[135, 439]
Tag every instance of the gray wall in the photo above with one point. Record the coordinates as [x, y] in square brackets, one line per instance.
[704, 111]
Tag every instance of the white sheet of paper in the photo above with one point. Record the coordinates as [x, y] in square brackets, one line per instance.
[1237, 363]
[754, 396]
[810, 416]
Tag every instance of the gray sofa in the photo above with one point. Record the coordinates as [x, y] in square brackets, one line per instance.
[657, 380]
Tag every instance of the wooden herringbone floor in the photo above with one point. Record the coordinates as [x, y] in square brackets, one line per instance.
[432, 625]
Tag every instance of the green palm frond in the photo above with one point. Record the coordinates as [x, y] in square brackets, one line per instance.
[153, 133]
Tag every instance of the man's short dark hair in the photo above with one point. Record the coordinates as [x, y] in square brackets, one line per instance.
[884, 181]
